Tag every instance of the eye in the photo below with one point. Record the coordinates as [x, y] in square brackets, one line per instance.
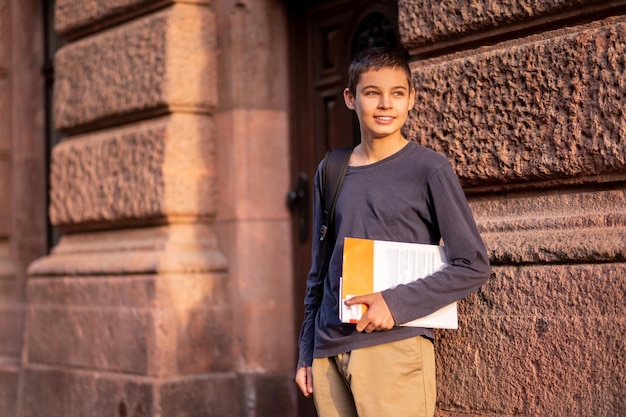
[398, 93]
[371, 93]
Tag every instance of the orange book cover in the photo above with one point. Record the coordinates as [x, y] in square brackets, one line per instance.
[374, 265]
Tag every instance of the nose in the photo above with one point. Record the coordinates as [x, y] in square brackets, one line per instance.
[384, 101]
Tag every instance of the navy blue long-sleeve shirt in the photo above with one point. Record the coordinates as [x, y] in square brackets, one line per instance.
[410, 196]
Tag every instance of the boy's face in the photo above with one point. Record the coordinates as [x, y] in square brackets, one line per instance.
[382, 102]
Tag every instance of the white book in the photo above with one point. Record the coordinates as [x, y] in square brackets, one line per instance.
[374, 265]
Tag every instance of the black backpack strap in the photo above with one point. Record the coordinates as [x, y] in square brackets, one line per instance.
[335, 166]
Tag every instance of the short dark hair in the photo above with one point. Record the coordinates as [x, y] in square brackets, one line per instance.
[374, 59]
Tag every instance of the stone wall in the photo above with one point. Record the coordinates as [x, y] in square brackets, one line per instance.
[22, 179]
[252, 222]
[130, 314]
[527, 100]
[168, 187]
[8, 283]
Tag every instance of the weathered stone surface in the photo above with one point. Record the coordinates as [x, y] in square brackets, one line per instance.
[151, 170]
[428, 21]
[157, 63]
[119, 339]
[5, 138]
[4, 37]
[54, 392]
[5, 201]
[267, 394]
[72, 15]
[556, 246]
[551, 209]
[58, 392]
[547, 109]
[8, 390]
[253, 76]
[541, 340]
[258, 253]
[183, 248]
[252, 183]
[135, 340]
[11, 326]
[551, 226]
[578, 290]
[5, 177]
[211, 396]
[9, 286]
[179, 291]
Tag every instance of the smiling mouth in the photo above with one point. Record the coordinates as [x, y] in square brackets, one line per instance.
[384, 118]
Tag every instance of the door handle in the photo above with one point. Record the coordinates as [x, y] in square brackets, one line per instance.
[298, 203]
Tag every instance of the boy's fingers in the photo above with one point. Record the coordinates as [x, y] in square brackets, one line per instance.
[304, 380]
[309, 380]
[359, 299]
[362, 325]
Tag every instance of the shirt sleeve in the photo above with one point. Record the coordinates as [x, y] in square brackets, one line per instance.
[468, 261]
[315, 283]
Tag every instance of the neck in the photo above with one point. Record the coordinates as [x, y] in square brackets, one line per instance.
[370, 151]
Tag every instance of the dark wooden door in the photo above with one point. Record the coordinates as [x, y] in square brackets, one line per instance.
[324, 36]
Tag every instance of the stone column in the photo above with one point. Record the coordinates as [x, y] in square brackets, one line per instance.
[253, 222]
[534, 126]
[22, 178]
[9, 357]
[130, 315]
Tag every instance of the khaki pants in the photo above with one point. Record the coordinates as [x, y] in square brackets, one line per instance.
[390, 380]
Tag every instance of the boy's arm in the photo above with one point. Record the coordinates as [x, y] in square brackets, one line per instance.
[467, 256]
[315, 284]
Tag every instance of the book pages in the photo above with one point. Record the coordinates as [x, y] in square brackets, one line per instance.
[375, 265]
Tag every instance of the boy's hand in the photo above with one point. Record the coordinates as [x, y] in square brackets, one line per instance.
[377, 317]
[304, 379]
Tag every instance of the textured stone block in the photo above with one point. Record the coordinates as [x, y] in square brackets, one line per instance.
[204, 338]
[54, 392]
[258, 252]
[553, 226]
[4, 37]
[251, 74]
[5, 177]
[171, 249]
[547, 109]
[538, 340]
[60, 393]
[178, 291]
[8, 390]
[210, 396]
[113, 339]
[157, 169]
[11, 325]
[5, 200]
[157, 63]
[536, 365]
[428, 21]
[74, 15]
[9, 286]
[5, 137]
[584, 290]
[160, 326]
[267, 395]
[252, 183]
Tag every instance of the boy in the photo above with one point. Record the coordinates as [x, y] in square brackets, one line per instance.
[393, 190]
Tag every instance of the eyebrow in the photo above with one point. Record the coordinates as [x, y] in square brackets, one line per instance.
[393, 88]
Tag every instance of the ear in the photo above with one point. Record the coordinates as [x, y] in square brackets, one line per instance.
[348, 97]
[411, 99]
